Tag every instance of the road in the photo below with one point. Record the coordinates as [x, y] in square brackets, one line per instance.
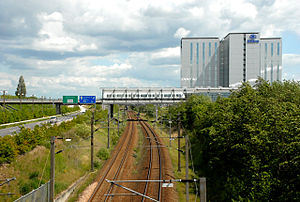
[12, 130]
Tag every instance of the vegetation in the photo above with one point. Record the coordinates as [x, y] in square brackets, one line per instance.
[26, 112]
[247, 145]
[21, 89]
[32, 168]
[103, 154]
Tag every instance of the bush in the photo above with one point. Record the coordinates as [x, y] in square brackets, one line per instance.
[97, 164]
[82, 130]
[8, 149]
[103, 154]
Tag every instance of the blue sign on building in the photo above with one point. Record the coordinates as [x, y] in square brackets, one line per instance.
[252, 39]
[87, 99]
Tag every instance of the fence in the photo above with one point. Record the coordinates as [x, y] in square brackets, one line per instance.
[40, 194]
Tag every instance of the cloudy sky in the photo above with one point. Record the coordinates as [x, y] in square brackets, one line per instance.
[75, 47]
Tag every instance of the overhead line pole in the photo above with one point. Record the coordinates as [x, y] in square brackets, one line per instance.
[170, 122]
[178, 137]
[118, 120]
[187, 166]
[108, 130]
[92, 141]
[52, 168]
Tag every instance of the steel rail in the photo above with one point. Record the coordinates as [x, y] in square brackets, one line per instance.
[146, 128]
[131, 130]
[150, 161]
[100, 182]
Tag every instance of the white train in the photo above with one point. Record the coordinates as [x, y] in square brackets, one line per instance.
[143, 94]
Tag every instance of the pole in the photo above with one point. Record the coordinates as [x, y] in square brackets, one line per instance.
[4, 98]
[156, 113]
[178, 138]
[202, 189]
[170, 122]
[119, 121]
[108, 131]
[123, 118]
[92, 141]
[186, 167]
[4, 120]
[43, 106]
[52, 168]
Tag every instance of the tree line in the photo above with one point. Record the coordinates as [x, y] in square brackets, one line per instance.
[28, 111]
[247, 145]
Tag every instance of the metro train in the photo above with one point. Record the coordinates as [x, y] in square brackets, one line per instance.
[144, 95]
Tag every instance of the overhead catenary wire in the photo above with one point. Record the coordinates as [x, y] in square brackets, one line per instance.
[44, 168]
[192, 162]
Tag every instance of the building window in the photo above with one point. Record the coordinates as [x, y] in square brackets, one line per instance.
[271, 73]
[266, 49]
[271, 49]
[191, 54]
[216, 60]
[278, 73]
[209, 50]
[278, 48]
[203, 59]
[197, 53]
[265, 72]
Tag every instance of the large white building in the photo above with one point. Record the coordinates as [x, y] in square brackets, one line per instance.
[239, 57]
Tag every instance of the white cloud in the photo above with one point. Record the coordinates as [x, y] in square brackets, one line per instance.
[167, 52]
[291, 59]
[291, 66]
[5, 84]
[53, 36]
[181, 32]
[77, 45]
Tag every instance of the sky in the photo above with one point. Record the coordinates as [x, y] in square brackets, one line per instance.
[76, 47]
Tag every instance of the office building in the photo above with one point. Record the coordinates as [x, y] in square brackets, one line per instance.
[209, 62]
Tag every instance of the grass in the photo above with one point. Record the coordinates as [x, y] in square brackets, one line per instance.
[139, 153]
[70, 164]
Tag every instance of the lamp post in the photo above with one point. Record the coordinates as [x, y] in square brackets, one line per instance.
[52, 164]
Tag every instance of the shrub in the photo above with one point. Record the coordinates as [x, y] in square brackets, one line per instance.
[96, 164]
[103, 154]
[8, 149]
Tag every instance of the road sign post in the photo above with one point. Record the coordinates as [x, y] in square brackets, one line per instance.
[70, 99]
[87, 99]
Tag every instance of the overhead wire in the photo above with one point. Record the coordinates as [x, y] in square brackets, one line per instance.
[44, 168]
[192, 162]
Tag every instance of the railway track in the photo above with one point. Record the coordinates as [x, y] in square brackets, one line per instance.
[155, 165]
[113, 168]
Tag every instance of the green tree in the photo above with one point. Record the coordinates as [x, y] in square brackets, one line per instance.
[21, 89]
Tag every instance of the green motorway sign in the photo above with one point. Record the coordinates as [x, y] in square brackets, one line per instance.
[70, 99]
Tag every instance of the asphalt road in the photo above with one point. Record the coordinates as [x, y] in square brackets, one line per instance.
[12, 130]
